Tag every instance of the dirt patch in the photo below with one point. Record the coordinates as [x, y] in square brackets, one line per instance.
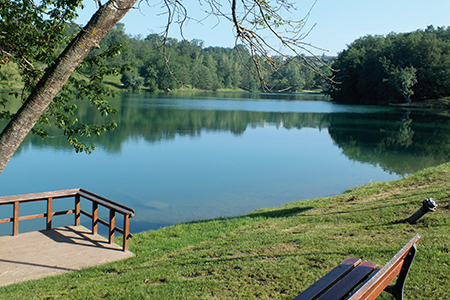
[240, 254]
[197, 276]
[282, 247]
[154, 283]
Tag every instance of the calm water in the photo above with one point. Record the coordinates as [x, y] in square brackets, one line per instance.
[180, 158]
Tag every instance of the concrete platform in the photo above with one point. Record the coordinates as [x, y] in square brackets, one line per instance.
[38, 254]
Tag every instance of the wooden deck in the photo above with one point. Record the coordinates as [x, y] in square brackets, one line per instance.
[39, 254]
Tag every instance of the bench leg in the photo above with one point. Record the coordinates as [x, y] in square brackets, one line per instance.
[397, 289]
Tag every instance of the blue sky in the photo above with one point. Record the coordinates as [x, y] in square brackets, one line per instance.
[337, 23]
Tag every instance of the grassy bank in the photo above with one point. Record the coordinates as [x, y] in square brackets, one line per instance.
[274, 253]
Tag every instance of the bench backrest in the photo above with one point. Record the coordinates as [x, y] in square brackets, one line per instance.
[362, 280]
[381, 279]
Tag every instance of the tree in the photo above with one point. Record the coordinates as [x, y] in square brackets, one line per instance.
[40, 26]
[403, 79]
[394, 68]
[131, 81]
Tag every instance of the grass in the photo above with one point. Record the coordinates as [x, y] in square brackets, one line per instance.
[274, 253]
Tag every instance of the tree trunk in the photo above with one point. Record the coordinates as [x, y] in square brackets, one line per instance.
[406, 96]
[57, 75]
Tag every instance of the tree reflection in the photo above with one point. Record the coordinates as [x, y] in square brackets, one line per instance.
[401, 138]
[399, 142]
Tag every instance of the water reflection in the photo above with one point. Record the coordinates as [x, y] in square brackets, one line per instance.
[401, 142]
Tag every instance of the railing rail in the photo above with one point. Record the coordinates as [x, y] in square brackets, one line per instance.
[96, 200]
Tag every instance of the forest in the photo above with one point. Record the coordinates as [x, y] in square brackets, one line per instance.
[189, 64]
[397, 68]
[147, 65]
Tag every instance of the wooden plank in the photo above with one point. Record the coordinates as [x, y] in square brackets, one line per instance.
[16, 218]
[346, 285]
[94, 217]
[37, 216]
[98, 219]
[84, 193]
[103, 222]
[77, 210]
[376, 284]
[112, 225]
[126, 232]
[49, 212]
[31, 217]
[86, 213]
[328, 280]
[106, 202]
[38, 196]
[7, 220]
[63, 212]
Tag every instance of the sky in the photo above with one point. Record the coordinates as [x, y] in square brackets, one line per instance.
[335, 23]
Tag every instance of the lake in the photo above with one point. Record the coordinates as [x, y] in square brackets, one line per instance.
[181, 157]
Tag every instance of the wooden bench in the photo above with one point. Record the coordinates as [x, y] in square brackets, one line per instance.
[353, 279]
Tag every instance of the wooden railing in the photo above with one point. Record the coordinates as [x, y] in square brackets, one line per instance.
[96, 200]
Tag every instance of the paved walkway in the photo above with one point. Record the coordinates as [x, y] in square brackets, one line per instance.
[39, 254]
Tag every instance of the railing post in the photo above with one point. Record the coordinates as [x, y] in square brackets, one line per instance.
[16, 218]
[126, 231]
[77, 209]
[94, 217]
[112, 225]
[49, 212]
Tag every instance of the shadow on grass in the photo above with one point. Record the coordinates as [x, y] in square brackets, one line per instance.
[280, 213]
[357, 210]
[113, 84]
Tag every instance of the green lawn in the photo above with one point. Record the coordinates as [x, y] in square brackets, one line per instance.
[274, 253]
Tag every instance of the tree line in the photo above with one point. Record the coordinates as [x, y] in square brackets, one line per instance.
[158, 64]
[155, 64]
[399, 67]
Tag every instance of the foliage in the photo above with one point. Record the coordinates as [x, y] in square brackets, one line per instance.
[274, 253]
[182, 64]
[264, 31]
[9, 72]
[31, 38]
[193, 66]
[393, 69]
[131, 81]
[403, 80]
